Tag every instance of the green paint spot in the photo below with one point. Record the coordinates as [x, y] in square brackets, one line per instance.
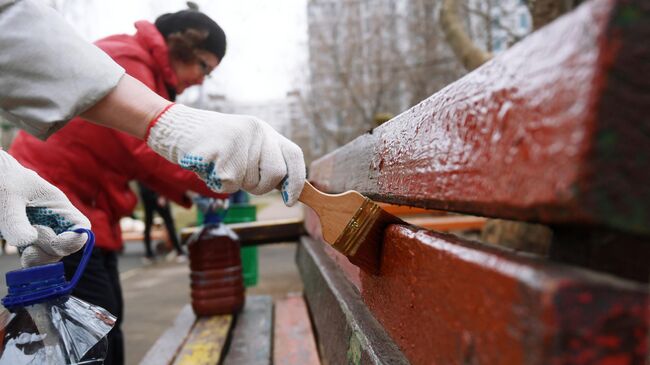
[574, 190]
[627, 15]
[606, 142]
[623, 211]
[354, 350]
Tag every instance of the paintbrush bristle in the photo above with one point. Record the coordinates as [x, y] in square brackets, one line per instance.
[363, 238]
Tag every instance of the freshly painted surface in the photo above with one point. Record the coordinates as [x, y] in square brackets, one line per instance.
[553, 130]
[448, 301]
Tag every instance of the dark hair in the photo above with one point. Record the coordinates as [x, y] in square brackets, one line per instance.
[183, 44]
[188, 30]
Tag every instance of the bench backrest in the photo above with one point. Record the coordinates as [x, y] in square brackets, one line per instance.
[555, 130]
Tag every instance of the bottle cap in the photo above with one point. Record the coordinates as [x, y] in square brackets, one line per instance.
[40, 283]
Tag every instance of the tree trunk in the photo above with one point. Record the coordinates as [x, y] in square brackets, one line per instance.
[467, 52]
[7, 133]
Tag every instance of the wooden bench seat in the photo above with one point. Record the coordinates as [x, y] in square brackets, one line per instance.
[256, 336]
[261, 332]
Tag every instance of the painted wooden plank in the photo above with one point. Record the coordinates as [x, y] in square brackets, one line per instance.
[252, 336]
[445, 300]
[447, 223]
[552, 130]
[347, 332]
[294, 342]
[206, 341]
[157, 234]
[168, 345]
[260, 232]
[402, 210]
[266, 232]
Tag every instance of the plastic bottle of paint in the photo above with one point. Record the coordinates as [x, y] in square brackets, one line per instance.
[44, 324]
[216, 280]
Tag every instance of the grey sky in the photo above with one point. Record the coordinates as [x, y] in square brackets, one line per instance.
[266, 39]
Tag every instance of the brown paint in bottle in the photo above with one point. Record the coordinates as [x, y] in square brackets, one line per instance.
[217, 284]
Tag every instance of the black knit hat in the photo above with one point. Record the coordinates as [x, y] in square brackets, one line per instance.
[191, 19]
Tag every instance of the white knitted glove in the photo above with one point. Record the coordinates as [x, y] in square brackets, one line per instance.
[229, 152]
[35, 216]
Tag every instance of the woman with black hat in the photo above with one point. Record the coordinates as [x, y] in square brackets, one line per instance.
[92, 164]
[50, 74]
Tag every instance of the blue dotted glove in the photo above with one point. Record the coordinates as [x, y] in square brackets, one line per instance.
[35, 216]
[229, 152]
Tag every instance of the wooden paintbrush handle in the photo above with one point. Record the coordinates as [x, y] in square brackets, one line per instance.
[310, 194]
[333, 210]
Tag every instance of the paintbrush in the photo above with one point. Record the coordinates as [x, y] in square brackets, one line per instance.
[353, 224]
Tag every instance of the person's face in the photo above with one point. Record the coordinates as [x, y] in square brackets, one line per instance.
[193, 73]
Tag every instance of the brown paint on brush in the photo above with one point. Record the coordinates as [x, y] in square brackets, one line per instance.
[353, 224]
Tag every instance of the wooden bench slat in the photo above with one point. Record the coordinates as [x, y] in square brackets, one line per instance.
[401, 210]
[205, 343]
[449, 301]
[261, 232]
[346, 331]
[294, 342]
[447, 223]
[157, 234]
[552, 130]
[165, 348]
[251, 338]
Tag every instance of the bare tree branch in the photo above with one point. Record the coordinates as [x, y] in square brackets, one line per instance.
[469, 55]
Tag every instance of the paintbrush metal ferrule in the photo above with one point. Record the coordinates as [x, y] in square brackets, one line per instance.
[358, 227]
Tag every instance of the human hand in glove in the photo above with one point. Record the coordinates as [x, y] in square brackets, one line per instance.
[35, 216]
[229, 152]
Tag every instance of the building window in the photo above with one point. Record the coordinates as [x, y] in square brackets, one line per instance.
[523, 21]
[498, 44]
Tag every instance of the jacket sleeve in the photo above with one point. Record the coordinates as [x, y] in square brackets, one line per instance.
[48, 73]
[164, 177]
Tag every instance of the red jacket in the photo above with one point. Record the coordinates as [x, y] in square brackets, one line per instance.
[93, 165]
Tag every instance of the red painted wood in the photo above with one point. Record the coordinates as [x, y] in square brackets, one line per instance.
[294, 342]
[448, 301]
[405, 210]
[553, 130]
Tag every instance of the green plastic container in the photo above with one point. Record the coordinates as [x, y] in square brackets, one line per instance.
[239, 213]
